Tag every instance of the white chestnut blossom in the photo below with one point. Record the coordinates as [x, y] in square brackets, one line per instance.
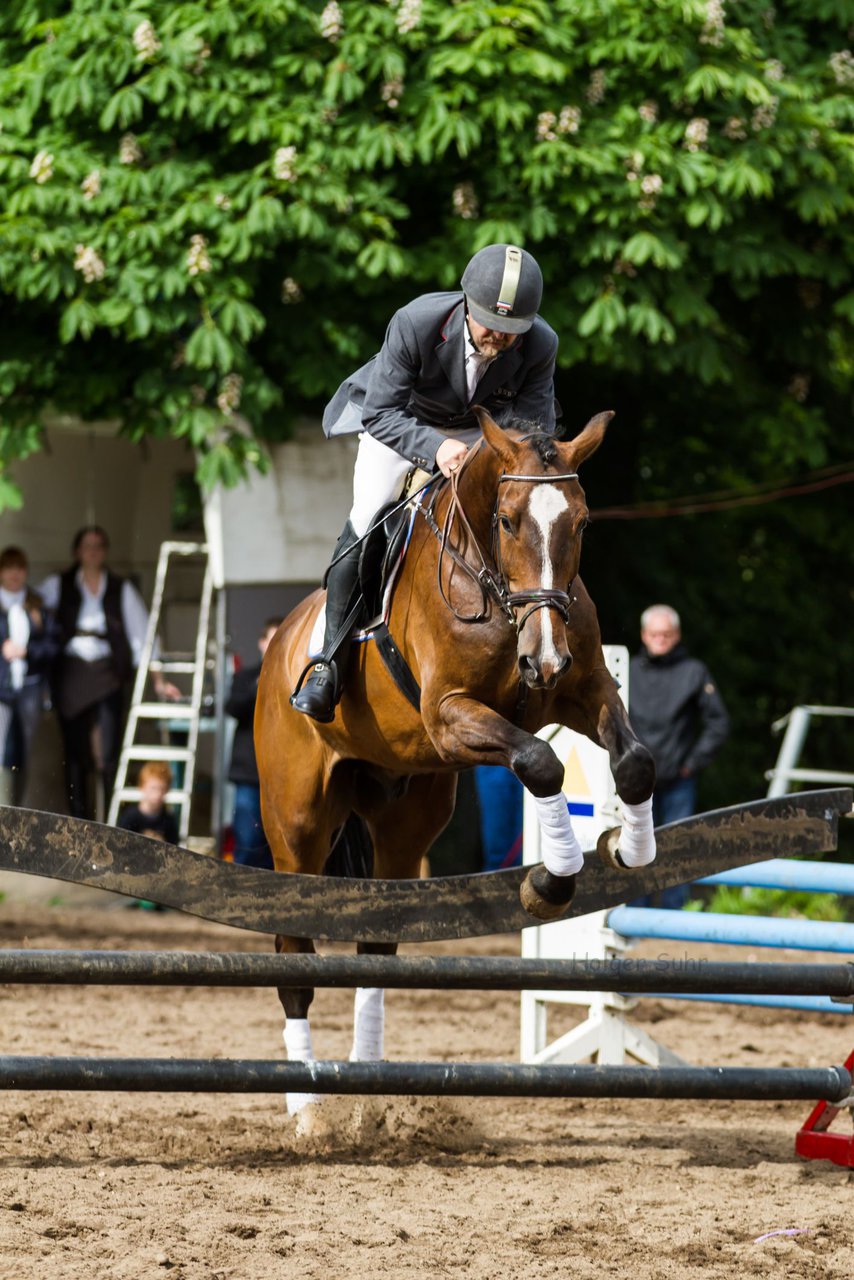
[88, 263]
[774, 70]
[595, 91]
[145, 41]
[228, 400]
[130, 152]
[198, 262]
[283, 164]
[332, 21]
[91, 185]
[41, 169]
[714, 26]
[651, 185]
[408, 16]
[222, 201]
[799, 387]
[569, 120]
[648, 112]
[464, 201]
[291, 291]
[735, 129]
[842, 67]
[198, 66]
[391, 91]
[546, 122]
[696, 134]
[764, 115]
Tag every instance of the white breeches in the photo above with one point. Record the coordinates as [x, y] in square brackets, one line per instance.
[377, 480]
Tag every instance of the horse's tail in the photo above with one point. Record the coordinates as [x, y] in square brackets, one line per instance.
[352, 853]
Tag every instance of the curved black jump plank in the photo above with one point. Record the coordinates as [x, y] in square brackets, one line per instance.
[88, 853]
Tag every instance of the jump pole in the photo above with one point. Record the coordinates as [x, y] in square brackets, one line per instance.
[168, 1075]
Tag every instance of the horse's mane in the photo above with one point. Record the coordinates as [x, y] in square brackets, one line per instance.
[532, 433]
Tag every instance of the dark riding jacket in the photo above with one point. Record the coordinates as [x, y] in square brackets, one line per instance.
[412, 395]
[42, 648]
[241, 705]
[676, 711]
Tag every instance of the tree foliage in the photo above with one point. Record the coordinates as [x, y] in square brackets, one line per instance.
[215, 205]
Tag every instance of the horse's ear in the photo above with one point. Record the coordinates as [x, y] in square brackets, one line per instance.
[589, 440]
[497, 439]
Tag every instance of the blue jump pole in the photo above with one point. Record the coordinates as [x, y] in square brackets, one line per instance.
[787, 873]
[806, 1004]
[744, 931]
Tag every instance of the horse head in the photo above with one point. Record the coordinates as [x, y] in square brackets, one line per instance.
[537, 524]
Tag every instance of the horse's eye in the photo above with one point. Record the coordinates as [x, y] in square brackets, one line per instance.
[505, 523]
[584, 523]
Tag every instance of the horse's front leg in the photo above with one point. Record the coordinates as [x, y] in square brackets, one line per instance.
[466, 732]
[597, 711]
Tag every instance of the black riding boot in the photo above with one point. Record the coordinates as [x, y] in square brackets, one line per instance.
[319, 693]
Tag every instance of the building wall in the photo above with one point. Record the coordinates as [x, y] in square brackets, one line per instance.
[93, 476]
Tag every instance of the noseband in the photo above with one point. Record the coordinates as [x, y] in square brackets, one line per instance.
[493, 585]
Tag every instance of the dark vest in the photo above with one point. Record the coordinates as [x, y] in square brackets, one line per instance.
[70, 600]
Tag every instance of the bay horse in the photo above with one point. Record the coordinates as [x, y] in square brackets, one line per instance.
[502, 638]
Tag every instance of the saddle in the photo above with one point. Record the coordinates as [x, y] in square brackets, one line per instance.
[380, 558]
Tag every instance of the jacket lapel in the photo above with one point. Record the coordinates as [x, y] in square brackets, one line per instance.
[450, 353]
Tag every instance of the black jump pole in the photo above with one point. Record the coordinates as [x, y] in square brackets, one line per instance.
[679, 975]
[169, 1075]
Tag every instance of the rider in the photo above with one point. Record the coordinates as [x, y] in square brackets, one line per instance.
[412, 403]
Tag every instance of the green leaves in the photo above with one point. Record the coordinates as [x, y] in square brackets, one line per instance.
[192, 191]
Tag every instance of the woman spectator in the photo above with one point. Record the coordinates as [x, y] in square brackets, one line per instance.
[102, 625]
[28, 645]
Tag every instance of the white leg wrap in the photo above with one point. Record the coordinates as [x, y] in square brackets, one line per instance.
[560, 848]
[637, 838]
[368, 1025]
[297, 1037]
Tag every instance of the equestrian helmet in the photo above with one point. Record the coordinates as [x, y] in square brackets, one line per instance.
[503, 287]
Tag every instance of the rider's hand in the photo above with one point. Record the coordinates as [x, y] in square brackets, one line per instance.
[449, 456]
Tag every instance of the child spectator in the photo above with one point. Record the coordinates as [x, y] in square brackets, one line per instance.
[151, 817]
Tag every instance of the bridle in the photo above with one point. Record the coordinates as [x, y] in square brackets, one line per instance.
[492, 584]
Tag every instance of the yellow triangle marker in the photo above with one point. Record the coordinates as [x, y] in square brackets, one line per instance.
[574, 781]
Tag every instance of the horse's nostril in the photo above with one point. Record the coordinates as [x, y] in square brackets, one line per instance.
[529, 670]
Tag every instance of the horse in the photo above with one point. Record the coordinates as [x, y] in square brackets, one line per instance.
[502, 639]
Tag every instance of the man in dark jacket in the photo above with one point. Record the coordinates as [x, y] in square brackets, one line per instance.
[250, 843]
[676, 711]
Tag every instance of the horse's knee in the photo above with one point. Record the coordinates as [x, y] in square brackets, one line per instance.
[538, 768]
[296, 1001]
[634, 774]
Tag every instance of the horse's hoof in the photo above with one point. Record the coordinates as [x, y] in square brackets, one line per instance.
[545, 896]
[608, 848]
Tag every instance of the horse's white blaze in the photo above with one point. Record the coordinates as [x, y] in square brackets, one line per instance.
[546, 504]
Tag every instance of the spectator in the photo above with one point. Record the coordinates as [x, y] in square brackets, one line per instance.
[500, 805]
[151, 817]
[250, 843]
[28, 645]
[677, 712]
[102, 626]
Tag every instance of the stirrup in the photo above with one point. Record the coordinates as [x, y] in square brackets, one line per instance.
[317, 694]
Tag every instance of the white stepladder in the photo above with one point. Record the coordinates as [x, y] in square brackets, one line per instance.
[605, 1035]
[184, 715]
